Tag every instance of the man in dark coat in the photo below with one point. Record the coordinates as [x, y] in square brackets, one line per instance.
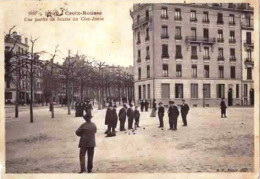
[146, 104]
[113, 122]
[136, 117]
[161, 114]
[130, 115]
[87, 143]
[184, 111]
[173, 114]
[122, 117]
[108, 117]
[142, 105]
[223, 108]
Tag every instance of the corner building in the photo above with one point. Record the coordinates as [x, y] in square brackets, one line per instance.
[191, 52]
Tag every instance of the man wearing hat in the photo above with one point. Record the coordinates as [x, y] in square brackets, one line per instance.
[184, 111]
[173, 114]
[87, 143]
[112, 123]
[108, 117]
[130, 115]
[161, 114]
[122, 117]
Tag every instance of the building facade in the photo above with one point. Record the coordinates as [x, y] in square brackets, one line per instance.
[193, 52]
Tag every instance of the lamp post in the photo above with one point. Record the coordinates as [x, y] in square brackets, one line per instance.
[203, 100]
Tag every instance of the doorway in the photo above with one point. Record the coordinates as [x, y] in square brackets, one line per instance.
[230, 97]
[251, 95]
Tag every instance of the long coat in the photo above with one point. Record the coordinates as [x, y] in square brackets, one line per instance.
[185, 109]
[130, 113]
[161, 110]
[114, 118]
[173, 111]
[223, 105]
[122, 114]
[108, 116]
[86, 132]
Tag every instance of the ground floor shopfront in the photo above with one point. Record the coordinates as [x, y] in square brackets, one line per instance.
[24, 97]
[197, 92]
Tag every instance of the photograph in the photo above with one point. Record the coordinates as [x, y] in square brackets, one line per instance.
[127, 87]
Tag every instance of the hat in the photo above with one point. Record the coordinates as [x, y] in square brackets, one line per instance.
[87, 116]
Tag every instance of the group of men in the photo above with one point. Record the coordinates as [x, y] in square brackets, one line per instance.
[173, 114]
[144, 105]
[83, 108]
[111, 118]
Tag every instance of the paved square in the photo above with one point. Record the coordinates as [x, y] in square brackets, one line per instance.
[208, 144]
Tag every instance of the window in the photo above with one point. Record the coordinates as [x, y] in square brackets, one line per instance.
[232, 37]
[248, 38]
[220, 18]
[220, 90]
[206, 90]
[165, 70]
[194, 90]
[206, 71]
[220, 54]
[144, 91]
[232, 72]
[231, 19]
[164, 32]
[193, 16]
[178, 52]
[178, 33]
[164, 14]
[178, 70]
[221, 71]
[178, 90]
[194, 52]
[148, 91]
[147, 53]
[139, 92]
[249, 55]
[194, 33]
[148, 71]
[165, 53]
[249, 73]
[139, 56]
[206, 33]
[177, 15]
[206, 53]
[245, 90]
[220, 35]
[165, 91]
[205, 17]
[147, 34]
[139, 73]
[138, 38]
[194, 71]
[232, 54]
[237, 90]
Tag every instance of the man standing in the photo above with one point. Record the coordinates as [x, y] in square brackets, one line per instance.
[161, 114]
[87, 143]
[108, 117]
[146, 104]
[223, 108]
[122, 117]
[113, 122]
[142, 105]
[130, 115]
[184, 111]
[136, 117]
[173, 114]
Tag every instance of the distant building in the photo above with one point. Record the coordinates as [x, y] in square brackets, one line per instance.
[197, 52]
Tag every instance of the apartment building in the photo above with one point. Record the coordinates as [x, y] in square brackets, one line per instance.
[192, 52]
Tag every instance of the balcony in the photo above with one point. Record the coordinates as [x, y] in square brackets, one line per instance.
[165, 55]
[206, 58]
[147, 38]
[147, 57]
[204, 40]
[140, 22]
[164, 36]
[166, 17]
[178, 57]
[232, 41]
[139, 60]
[221, 58]
[177, 18]
[232, 23]
[194, 57]
[138, 41]
[206, 21]
[248, 44]
[220, 40]
[247, 24]
[194, 19]
[178, 37]
[220, 22]
[249, 62]
[232, 58]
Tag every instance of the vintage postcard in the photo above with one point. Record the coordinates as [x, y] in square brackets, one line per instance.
[129, 89]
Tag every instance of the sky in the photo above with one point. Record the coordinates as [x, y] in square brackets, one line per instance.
[109, 40]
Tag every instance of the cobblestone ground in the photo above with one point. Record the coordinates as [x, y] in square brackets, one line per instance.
[208, 144]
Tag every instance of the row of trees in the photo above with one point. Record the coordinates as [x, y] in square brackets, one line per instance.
[78, 78]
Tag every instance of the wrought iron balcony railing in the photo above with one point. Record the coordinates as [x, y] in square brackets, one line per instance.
[140, 22]
[200, 39]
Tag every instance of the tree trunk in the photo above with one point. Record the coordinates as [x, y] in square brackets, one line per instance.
[17, 102]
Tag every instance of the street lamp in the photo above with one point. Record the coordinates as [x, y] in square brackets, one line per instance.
[203, 100]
